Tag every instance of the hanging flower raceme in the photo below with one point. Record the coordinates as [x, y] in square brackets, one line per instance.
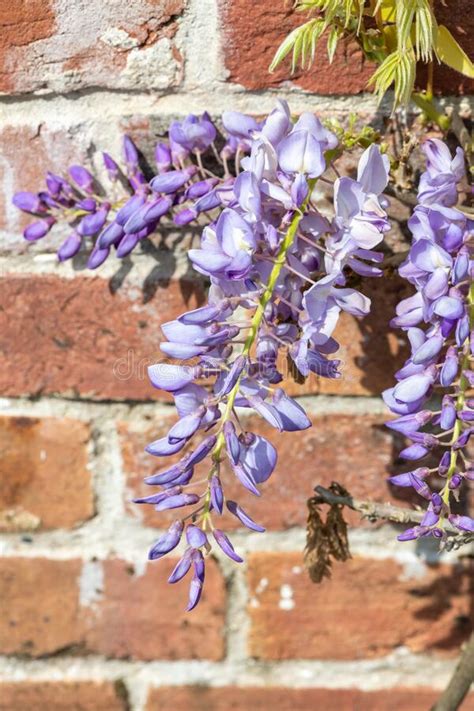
[439, 321]
[134, 207]
[278, 271]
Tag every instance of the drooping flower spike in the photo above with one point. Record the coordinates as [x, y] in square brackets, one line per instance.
[183, 189]
[278, 271]
[438, 320]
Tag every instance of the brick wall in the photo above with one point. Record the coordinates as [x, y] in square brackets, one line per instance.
[86, 624]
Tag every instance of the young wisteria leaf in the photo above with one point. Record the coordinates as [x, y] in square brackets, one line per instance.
[425, 30]
[333, 39]
[302, 41]
[451, 53]
[397, 69]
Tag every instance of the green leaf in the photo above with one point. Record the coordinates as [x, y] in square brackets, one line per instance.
[333, 39]
[302, 42]
[451, 53]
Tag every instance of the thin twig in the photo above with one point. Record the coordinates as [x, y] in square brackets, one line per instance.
[460, 683]
[373, 512]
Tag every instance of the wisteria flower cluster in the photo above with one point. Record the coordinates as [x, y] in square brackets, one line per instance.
[278, 269]
[439, 321]
[183, 189]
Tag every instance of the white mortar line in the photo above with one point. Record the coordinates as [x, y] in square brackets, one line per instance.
[86, 106]
[400, 668]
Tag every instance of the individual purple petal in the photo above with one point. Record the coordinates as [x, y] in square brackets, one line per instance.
[70, 247]
[231, 377]
[239, 124]
[243, 517]
[125, 212]
[464, 523]
[82, 177]
[185, 427]
[300, 152]
[163, 448]
[201, 451]
[291, 414]
[448, 413]
[449, 307]
[224, 543]
[429, 350]
[175, 502]
[28, 202]
[162, 157]
[127, 244]
[37, 230]
[217, 496]
[97, 257]
[450, 368]
[167, 542]
[170, 182]
[182, 567]
[195, 591]
[195, 536]
[414, 452]
[111, 167]
[91, 224]
[232, 442]
[112, 234]
[130, 153]
[410, 423]
[165, 376]
[373, 170]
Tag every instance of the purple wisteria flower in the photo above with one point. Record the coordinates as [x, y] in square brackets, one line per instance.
[438, 320]
[278, 270]
[183, 189]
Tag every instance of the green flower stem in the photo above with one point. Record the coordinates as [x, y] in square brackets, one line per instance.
[460, 401]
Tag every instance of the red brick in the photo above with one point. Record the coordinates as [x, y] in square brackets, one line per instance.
[202, 698]
[75, 337]
[48, 46]
[367, 609]
[106, 608]
[253, 32]
[40, 599]
[43, 461]
[142, 616]
[355, 450]
[61, 696]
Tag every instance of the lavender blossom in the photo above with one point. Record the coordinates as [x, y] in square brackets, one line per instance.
[438, 320]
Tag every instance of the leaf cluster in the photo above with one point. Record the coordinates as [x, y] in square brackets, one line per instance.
[395, 34]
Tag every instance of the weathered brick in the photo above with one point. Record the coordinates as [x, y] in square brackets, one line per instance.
[62, 696]
[202, 698]
[77, 337]
[141, 616]
[253, 31]
[106, 608]
[367, 609]
[355, 450]
[40, 599]
[48, 46]
[44, 479]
